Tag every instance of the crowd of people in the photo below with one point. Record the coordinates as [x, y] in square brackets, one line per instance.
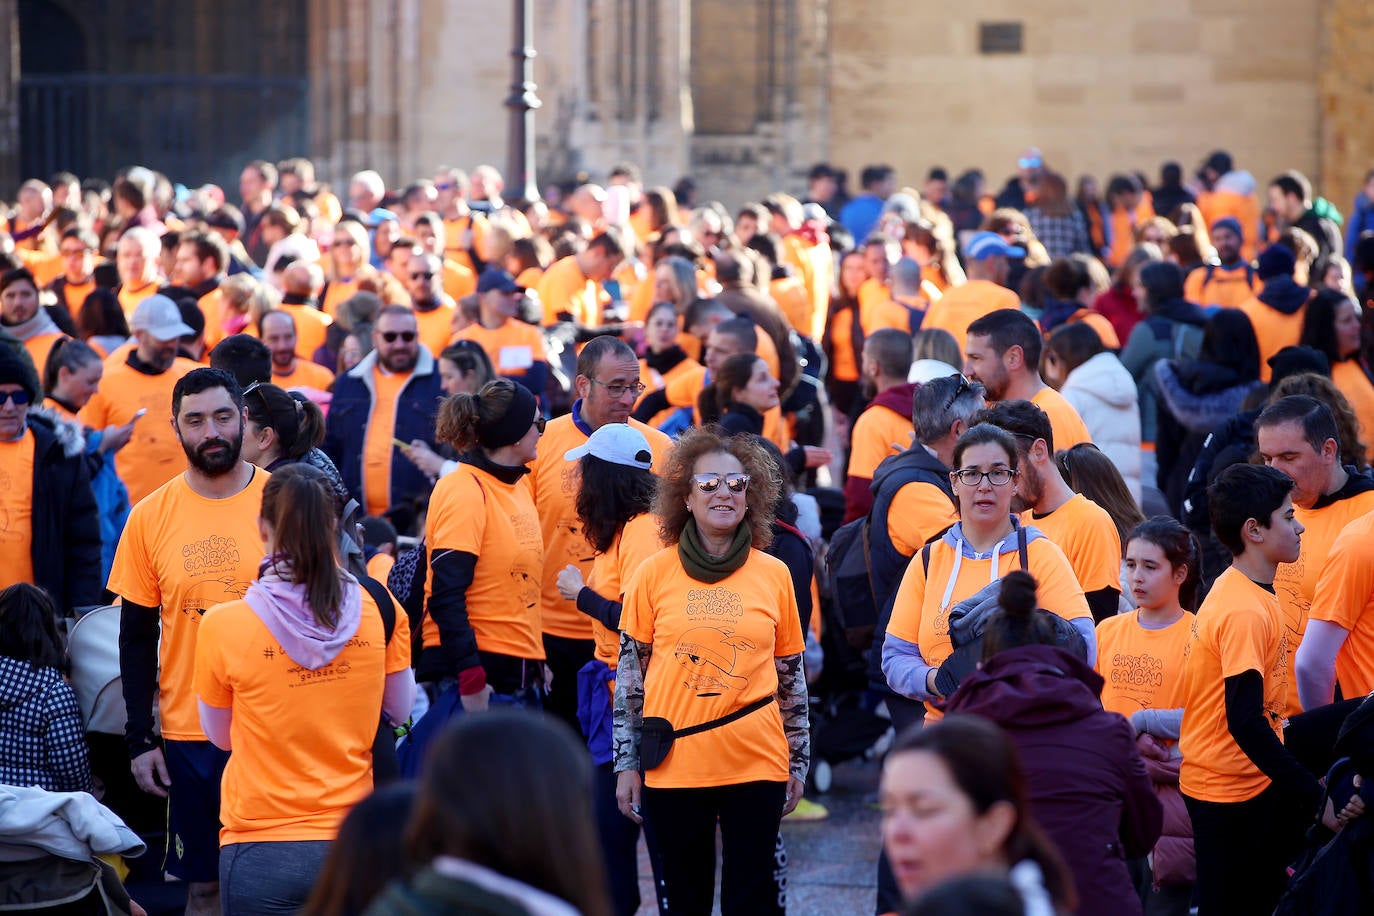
[342, 472]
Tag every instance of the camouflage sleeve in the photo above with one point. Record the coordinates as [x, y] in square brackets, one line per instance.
[795, 707]
[629, 700]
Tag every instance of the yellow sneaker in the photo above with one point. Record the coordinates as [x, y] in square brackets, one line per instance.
[807, 810]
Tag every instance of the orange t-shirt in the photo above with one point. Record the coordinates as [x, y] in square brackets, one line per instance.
[74, 294]
[1142, 668]
[436, 327]
[961, 306]
[918, 512]
[1088, 536]
[795, 301]
[129, 298]
[917, 614]
[40, 345]
[378, 445]
[878, 433]
[512, 348]
[1345, 597]
[1273, 329]
[473, 512]
[312, 326]
[843, 365]
[1244, 207]
[529, 278]
[932, 275]
[453, 238]
[44, 267]
[302, 738]
[1069, 428]
[184, 553]
[153, 455]
[564, 288]
[654, 381]
[336, 291]
[713, 652]
[304, 374]
[555, 482]
[459, 280]
[1228, 287]
[1350, 379]
[16, 510]
[1296, 583]
[1238, 628]
[612, 571]
[379, 567]
[212, 310]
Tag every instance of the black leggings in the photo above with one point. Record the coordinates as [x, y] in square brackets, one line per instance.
[1244, 849]
[683, 824]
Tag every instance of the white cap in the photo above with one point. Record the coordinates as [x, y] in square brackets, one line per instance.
[160, 317]
[928, 370]
[618, 443]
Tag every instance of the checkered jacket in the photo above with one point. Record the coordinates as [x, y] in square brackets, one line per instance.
[42, 737]
[1061, 235]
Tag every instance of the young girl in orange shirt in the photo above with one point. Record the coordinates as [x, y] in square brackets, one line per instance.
[1141, 656]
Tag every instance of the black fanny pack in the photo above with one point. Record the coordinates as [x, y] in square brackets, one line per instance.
[656, 735]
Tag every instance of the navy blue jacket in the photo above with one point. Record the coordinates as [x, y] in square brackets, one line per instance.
[66, 523]
[351, 410]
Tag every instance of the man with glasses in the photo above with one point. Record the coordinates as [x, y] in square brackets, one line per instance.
[77, 251]
[391, 396]
[607, 385]
[516, 349]
[423, 278]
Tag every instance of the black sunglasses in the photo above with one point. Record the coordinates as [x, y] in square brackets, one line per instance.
[964, 386]
[426, 275]
[20, 398]
[407, 336]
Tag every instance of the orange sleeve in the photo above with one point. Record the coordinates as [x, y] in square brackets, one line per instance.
[790, 640]
[908, 603]
[211, 679]
[453, 524]
[1347, 579]
[1241, 643]
[132, 576]
[1057, 589]
[919, 512]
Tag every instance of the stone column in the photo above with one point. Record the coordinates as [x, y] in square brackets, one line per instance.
[9, 98]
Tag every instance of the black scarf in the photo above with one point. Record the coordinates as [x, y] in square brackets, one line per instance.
[703, 566]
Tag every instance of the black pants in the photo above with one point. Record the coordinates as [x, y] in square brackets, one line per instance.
[619, 843]
[565, 657]
[1244, 849]
[683, 825]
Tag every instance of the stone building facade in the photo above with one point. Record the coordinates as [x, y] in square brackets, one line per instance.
[745, 96]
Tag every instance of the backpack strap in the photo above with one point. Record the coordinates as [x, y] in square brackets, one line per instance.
[1021, 548]
[385, 605]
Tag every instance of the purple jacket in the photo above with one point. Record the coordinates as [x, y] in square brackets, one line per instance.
[1089, 790]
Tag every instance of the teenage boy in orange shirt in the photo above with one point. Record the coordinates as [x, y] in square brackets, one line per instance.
[1249, 798]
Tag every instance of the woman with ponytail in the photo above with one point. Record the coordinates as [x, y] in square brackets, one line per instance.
[1088, 787]
[292, 678]
[486, 555]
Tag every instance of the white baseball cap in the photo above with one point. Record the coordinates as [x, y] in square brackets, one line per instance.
[160, 317]
[618, 443]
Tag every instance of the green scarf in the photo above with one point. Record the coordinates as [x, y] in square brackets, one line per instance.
[704, 567]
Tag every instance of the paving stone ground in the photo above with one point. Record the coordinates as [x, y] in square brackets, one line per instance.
[832, 864]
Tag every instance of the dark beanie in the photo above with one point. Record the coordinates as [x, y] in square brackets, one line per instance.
[1292, 361]
[1276, 261]
[513, 424]
[13, 371]
[1229, 222]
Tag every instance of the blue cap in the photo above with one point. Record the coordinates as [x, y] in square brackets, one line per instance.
[496, 279]
[990, 244]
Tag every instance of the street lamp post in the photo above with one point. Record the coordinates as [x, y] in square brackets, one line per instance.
[522, 102]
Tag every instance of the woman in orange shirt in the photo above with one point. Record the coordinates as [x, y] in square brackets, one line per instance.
[481, 630]
[843, 340]
[1332, 325]
[1140, 657]
[710, 698]
[613, 507]
[664, 359]
[293, 679]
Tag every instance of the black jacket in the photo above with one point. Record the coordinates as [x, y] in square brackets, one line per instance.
[66, 522]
